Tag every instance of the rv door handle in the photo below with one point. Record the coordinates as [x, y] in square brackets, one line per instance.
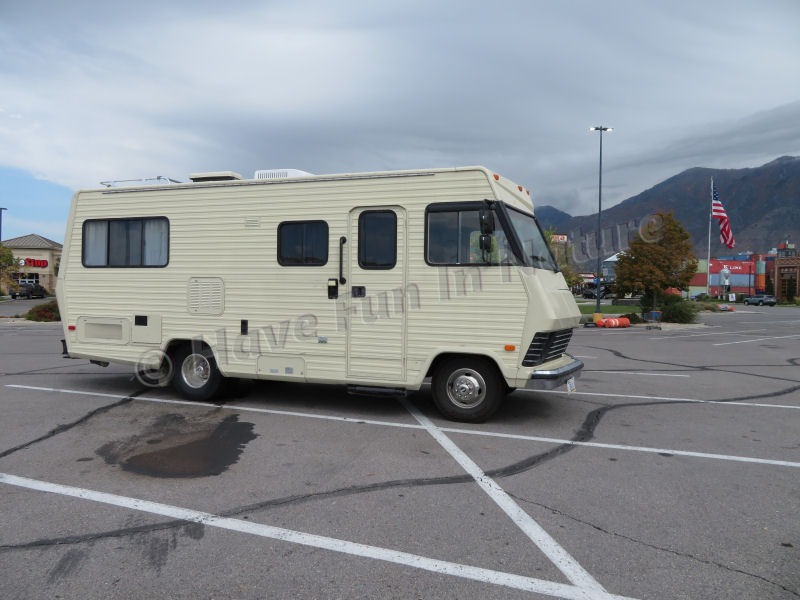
[359, 291]
[342, 241]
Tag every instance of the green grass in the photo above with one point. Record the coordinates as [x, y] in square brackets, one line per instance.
[607, 309]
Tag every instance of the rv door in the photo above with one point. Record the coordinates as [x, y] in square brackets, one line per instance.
[376, 294]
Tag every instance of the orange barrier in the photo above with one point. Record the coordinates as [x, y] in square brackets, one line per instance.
[611, 322]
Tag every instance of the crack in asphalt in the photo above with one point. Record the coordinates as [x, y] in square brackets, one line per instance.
[67, 426]
[44, 370]
[702, 368]
[653, 546]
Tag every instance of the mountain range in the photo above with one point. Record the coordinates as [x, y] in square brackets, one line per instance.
[762, 203]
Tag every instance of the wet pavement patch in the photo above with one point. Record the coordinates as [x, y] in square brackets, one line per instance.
[177, 447]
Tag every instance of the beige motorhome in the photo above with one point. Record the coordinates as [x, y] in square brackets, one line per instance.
[371, 280]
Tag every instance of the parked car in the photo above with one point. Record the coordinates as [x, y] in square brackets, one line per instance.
[29, 290]
[761, 300]
[605, 292]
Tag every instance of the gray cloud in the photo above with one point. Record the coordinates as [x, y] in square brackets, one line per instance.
[98, 91]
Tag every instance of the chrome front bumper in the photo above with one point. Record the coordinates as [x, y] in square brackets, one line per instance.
[553, 378]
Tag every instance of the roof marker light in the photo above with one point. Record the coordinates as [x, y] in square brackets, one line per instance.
[519, 187]
[496, 177]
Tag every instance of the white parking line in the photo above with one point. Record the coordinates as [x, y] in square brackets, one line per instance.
[543, 540]
[769, 322]
[692, 335]
[637, 373]
[778, 337]
[229, 406]
[728, 457]
[665, 398]
[531, 438]
[529, 584]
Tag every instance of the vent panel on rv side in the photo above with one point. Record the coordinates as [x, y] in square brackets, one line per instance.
[206, 296]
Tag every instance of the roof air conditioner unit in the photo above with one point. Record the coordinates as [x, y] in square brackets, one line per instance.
[215, 176]
[280, 173]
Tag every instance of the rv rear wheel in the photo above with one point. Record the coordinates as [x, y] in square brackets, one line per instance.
[159, 376]
[196, 375]
[467, 389]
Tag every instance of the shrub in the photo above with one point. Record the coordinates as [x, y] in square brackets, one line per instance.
[711, 306]
[647, 301]
[679, 311]
[669, 299]
[634, 318]
[44, 312]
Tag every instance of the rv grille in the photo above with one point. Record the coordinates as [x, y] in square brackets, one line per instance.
[546, 346]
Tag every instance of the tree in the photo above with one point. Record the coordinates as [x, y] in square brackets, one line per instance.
[660, 257]
[6, 263]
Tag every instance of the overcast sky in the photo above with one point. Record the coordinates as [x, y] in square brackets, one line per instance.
[92, 91]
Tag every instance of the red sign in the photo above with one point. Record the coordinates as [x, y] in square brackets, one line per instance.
[557, 237]
[735, 267]
[35, 262]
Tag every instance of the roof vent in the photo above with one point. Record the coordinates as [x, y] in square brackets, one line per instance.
[280, 173]
[215, 176]
[136, 182]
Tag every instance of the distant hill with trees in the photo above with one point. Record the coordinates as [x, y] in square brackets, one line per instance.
[763, 205]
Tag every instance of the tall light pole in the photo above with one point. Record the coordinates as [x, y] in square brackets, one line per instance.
[1, 237]
[601, 129]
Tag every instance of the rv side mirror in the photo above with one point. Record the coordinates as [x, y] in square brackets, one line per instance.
[486, 218]
[486, 242]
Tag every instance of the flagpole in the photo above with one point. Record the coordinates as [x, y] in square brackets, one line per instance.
[708, 256]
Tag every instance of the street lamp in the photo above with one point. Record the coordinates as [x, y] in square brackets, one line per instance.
[601, 129]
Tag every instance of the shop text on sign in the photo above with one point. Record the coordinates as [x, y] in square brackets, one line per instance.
[35, 262]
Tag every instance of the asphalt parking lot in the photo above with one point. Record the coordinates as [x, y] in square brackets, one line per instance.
[672, 472]
[11, 308]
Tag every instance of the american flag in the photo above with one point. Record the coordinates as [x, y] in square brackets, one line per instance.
[718, 212]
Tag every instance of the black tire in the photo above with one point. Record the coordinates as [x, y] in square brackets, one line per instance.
[761, 303]
[161, 376]
[195, 375]
[467, 388]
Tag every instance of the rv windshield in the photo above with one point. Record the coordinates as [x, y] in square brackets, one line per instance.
[534, 247]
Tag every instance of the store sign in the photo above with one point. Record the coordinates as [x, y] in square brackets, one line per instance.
[33, 262]
[735, 267]
[558, 237]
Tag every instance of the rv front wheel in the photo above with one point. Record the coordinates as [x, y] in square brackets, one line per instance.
[196, 374]
[467, 389]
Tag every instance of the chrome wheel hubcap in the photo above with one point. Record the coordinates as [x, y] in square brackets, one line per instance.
[196, 370]
[466, 388]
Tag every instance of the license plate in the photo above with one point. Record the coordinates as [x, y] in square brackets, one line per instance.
[571, 385]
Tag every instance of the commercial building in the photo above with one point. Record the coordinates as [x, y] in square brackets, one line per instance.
[36, 259]
[777, 272]
[787, 272]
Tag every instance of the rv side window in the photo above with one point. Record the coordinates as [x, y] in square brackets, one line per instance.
[126, 242]
[303, 243]
[452, 237]
[377, 239]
